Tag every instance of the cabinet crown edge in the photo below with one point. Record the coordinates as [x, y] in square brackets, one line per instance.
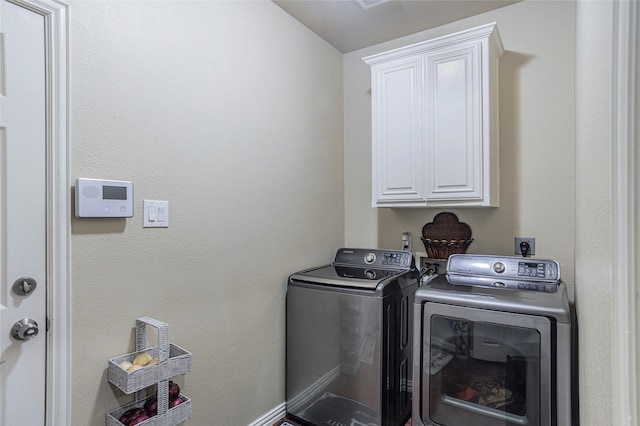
[483, 31]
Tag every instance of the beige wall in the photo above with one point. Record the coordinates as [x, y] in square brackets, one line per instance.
[231, 111]
[594, 230]
[536, 140]
[555, 163]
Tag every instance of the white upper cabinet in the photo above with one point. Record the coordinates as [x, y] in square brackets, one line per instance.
[435, 122]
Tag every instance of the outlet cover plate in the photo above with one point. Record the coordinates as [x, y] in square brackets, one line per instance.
[532, 245]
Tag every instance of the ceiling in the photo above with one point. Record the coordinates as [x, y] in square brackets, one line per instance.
[348, 26]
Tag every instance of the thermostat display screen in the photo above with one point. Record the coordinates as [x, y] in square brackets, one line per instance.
[114, 192]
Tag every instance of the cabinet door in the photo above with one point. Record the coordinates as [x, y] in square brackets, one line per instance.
[453, 157]
[397, 131]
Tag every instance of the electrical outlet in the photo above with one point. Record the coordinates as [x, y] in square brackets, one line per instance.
[523, 241]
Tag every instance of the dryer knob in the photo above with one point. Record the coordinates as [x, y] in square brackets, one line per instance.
[499, 267]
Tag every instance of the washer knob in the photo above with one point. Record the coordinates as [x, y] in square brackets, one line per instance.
[499, 267]
[369, 258]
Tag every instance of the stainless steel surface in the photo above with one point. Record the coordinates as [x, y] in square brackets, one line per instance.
[330, 336]
[349, 333]
[506, 267]
[544, 286]
[388, 259]
[527, 322]
[343, 276]
[489, 412]
[366, 269]
[554, 305]
[24, 286]
[25, 329]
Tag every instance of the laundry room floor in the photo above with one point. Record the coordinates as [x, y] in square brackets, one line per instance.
[287, 422]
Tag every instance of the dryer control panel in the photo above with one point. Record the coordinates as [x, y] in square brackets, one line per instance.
[507, 267]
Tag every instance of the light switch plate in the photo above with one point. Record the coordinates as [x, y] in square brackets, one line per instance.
[155, 214]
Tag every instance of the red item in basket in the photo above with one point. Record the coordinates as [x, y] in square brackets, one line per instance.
[469, 394]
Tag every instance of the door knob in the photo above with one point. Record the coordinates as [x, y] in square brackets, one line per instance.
[24, 286]
[25, 329]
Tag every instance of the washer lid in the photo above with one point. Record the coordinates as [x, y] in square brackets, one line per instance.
[347, 276]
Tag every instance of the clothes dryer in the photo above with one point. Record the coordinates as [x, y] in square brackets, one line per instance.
[493, 344]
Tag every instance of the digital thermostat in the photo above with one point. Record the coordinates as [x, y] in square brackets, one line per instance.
[104, 198]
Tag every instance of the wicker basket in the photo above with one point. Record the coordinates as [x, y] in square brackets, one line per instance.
[172, 361]
[442, 249]
[445, 236]
[177, 364]
[172, 417]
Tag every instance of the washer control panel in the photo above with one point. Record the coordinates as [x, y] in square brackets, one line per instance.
[507, 267]
[374, 257]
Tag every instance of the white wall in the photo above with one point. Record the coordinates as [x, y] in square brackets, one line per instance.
[231, 111]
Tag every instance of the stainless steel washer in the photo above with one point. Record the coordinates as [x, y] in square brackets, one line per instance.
[349, 339]
[493, 344]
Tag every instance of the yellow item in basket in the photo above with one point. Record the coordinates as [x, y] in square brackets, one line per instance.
[125, 365]
[142, 359]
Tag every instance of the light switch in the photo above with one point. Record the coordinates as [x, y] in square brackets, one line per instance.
[156, 214]
[152, 213]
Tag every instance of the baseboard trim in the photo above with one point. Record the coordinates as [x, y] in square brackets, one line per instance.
[271, 417]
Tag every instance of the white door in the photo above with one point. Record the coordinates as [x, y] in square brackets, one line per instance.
[23, 217]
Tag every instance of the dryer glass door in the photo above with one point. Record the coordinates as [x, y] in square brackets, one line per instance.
[485, 368]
